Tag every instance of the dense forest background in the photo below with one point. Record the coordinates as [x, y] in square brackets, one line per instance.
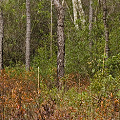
[91, 83]
[77, 52]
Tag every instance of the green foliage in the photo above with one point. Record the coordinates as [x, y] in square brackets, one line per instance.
[44, 62]
[15, 28]
[14, 32]
[91, 86]
[113, 65]
[77, 53]
[73, 98]
[78, 57]
[103, 83]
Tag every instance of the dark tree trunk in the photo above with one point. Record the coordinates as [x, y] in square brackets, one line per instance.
[1, 39]
[106, 29]
[61, 42]
[28, 31]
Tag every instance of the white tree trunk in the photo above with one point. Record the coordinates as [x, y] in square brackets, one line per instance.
[51, 33]
[90, 23]
[28, 31]
[77, 8]
[106, 29]
[1, 39]
[81, 13]
[74, 2]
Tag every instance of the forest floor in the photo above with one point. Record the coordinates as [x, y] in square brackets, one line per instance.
[25, 97]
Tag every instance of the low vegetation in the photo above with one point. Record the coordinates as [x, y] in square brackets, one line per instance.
[79, 97]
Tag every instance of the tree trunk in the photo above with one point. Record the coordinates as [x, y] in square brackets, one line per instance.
[61, 42]
[81, 13]
[90, 24]
[28, 31]
[1, 39]
[106, 29]
[51, 33]
[74, 2]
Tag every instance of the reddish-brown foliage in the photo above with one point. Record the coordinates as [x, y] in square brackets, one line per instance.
[20, 100]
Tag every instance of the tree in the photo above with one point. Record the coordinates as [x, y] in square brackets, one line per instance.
[106, 29]
[90, 23]
[61, 41]
[81, 13]
[28, 31]
[1, 38]
[77, 8]
[51, 32]
[74, 2]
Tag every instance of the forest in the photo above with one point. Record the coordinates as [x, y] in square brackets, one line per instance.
[59, 59]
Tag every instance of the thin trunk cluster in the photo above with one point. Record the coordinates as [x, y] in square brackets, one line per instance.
[81, 13]
[28, 32]
[78, 10]
[1, 39]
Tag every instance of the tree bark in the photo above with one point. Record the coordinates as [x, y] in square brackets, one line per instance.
[106, 29]
[61, 42]
[81, 13]
[77, 8]
[90, 24]
[74, 2]
[28, 32]
[51, 33]
[1, 39]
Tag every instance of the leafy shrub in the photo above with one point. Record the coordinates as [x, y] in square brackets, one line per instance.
[113, 65]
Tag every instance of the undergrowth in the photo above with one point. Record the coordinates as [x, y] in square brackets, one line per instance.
[80, 97]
